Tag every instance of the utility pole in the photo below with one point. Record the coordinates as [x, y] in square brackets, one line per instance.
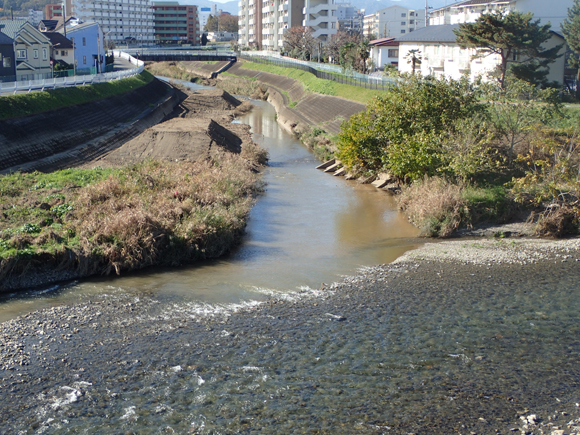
[426, 14]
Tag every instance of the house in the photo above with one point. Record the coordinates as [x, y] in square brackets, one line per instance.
[442, 56]
[89, 48]
[7, 63]
[62, 50]
[553, 11]
[32, 49]
[384, 51]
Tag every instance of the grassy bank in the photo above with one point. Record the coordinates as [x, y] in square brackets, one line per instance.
[102, 220]
[313, 84]
[12, 106]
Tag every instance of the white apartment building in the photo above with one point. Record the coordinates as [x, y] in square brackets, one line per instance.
[321, 17]
[393, 21]
[204, 14]
[553, 11]
[263, 23]
[120, 20]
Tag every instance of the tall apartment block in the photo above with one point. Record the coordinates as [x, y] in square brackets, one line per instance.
[393, 21]
[264, 23]
[51, 11]
[174, 22]
[121, 20]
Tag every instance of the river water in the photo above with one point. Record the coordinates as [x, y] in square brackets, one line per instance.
[308, 228]
[254, 343]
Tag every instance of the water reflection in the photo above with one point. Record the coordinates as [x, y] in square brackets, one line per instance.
[308, 228]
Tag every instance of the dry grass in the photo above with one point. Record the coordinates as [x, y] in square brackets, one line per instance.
[151, 213]
[434, 205]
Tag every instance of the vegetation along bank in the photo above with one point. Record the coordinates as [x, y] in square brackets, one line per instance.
[172, 205]
[462, 155]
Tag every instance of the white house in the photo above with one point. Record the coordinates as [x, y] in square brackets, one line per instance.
[553, 11]
[384, 51]
[442, 56]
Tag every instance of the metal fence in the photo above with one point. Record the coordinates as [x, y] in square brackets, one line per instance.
[331, 72]
[14, 87]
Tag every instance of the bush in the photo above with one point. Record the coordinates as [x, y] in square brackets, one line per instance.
[402, 131]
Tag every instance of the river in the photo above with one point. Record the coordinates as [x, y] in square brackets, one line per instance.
[256, 343]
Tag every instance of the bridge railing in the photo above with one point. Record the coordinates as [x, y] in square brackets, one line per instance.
[7, 88]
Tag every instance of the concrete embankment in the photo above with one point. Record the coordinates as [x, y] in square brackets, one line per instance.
[324, 111]
[72, 135]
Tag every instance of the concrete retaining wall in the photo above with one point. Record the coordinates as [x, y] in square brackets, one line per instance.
[58, 136]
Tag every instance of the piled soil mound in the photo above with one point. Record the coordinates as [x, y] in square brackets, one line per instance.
[180, 139]
[196, 133]
[208, 101]
[31, 138]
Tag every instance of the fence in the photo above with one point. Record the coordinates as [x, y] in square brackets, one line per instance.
[330, 72]
[60, 82]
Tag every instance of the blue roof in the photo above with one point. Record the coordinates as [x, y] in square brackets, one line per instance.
[442, 33]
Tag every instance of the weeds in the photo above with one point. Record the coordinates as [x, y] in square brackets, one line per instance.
[99, 221]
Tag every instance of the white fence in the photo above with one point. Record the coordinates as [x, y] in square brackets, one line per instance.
[42, 85]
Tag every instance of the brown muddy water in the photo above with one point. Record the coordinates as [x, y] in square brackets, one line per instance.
[308, 228]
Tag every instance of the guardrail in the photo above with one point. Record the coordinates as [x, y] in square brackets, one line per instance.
[60, 82]
[331, 73]
[185, 55]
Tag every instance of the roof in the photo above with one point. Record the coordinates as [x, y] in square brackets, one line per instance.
[80, 26]
[49, 25]
[384, 42]
[12, 27]
[58, 40]
[443, 33]
[5, 39]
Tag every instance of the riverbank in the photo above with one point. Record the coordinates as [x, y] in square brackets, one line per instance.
[179, 192]
[425, 346]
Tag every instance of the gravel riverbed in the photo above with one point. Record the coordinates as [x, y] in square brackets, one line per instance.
[416, 346]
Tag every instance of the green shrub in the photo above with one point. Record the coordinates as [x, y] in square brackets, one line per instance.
[402, 131]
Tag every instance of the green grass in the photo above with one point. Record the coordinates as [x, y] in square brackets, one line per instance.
[13, 106]
[313, 84]
[162, 213]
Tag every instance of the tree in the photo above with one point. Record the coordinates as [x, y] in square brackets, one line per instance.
[571, 31]
[203, 39]
[364, 52]
[338, 40]
[299, 42]
[414, 57]
[514, 37]
[402, 129]
[224, 23]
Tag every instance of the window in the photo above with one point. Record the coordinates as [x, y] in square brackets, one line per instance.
[403, 23]
[411, 14]
[45, 54]
[393, 52]
[7, 62]
[403, 15]
[84, 60]
[21, 54]
[84, 42]
[411, 21]
[403, 31]
[35, 54]
[63, 52]
[333, 25]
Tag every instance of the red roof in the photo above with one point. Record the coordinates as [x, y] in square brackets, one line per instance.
[385, 42]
